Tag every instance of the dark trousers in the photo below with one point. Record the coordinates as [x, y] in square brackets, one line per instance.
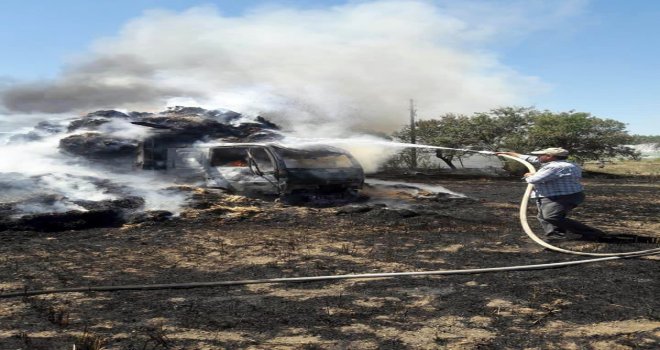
[553, 212]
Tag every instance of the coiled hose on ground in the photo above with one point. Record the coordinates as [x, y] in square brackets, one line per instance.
[523, 221]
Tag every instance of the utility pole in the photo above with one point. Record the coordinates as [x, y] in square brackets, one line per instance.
[413, 136]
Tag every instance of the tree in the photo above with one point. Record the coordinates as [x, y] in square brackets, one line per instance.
[451, 131]
[500, 128]
[587, 137]
[640, 139]
[523, 129]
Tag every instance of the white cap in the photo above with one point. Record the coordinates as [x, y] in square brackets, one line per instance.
[552, 151]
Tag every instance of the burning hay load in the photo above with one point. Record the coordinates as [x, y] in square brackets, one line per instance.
[177, 126]
[92, 179]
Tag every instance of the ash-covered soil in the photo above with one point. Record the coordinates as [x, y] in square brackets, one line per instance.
[605, 305]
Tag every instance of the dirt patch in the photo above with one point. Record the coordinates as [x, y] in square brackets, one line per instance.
[607, 305]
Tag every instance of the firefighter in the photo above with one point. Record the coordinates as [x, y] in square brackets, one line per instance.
[557, 190]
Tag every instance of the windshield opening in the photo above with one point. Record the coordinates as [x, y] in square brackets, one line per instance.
[314, 159]
[229, 157]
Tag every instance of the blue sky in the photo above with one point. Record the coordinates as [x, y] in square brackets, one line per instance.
[607, 64]
[596, 56]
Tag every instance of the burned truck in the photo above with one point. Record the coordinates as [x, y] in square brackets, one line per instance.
[250, 159]
[261, 168]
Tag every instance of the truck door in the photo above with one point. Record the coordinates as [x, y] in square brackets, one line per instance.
[187, 164]
[262, 164]
[242, 169]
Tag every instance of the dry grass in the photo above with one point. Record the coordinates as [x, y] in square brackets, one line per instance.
[89, 341]
[645, 167]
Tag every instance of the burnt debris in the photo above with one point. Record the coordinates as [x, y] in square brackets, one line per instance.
[98, 146]
[111, 141]
[176, 127]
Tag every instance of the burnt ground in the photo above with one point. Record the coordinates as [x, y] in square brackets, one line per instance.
[605, 305]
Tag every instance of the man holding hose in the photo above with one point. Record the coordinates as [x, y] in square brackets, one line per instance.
[557, 190]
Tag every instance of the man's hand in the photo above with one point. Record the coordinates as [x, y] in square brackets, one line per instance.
[528, 174]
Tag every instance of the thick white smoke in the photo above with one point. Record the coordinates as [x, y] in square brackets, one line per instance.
[37, 168]
[352, 66]
[322, 74]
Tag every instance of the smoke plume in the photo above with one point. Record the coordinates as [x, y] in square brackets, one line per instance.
[354, 65]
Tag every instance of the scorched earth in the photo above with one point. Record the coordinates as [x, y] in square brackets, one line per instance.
[607, 305]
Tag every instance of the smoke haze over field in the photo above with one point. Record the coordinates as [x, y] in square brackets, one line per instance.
[352, 66]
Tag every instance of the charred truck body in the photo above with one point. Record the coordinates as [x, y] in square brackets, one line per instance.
[242, 163]
[260, 168]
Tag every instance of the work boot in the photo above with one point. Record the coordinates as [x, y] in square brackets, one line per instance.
[555, 236]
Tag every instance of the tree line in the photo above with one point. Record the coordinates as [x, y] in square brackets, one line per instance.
[524, 129]
[639, 139]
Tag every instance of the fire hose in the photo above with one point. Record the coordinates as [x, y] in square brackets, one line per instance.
[525, 225]
[523, 221]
